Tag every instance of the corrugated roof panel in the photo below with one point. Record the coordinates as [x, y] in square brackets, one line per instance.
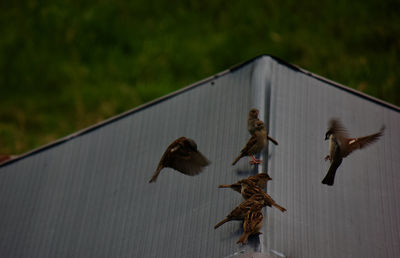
[87, 195]
[359, 215]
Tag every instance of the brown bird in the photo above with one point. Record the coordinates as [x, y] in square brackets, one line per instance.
[249, 189]
[252, 222]
[251, 120]
[255, 144]
[183, 156]
[260, 180]
[251, 124]
[240, 212]
[340, 146]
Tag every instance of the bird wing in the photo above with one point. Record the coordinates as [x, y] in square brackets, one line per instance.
[189, 162]
[248, 149]
[362, 142]
[337, 129]
[253, 220]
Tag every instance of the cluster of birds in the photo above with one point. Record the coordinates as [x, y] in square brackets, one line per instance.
[250, 210]
[183, 156]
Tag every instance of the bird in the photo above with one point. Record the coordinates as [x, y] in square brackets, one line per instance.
[251, 124]
[183, 156]
[252, 222]
[240, 212]
[249, 189]
[340, 146]
[255, 144]
[260, 180]
[252, 119]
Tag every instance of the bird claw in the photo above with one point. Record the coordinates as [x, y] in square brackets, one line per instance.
[255, 161]
[327, 157]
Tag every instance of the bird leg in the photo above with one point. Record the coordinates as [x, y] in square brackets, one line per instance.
[255, 161]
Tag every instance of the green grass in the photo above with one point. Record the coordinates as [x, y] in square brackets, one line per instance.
[65, 65]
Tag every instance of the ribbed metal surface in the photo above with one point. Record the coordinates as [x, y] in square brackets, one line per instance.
[360, 215]
[87, 194]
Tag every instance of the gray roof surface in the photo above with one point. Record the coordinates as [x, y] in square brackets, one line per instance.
[87, 195]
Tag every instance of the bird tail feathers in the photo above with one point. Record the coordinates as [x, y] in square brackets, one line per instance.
[272, 140]
[154, 177]
[237, 159]
[279, 207]
[221, 223]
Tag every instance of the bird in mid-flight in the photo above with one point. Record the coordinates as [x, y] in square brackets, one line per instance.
[183, 156]
[340, 146]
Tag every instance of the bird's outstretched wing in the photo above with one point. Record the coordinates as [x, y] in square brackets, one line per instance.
[189, 162]
[337, 129]
[183, 156]
[362, 142]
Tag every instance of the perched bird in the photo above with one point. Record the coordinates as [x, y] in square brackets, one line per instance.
[340, 146]
[252, 222]
[249, 189]
[251, 124]
[251, 120]
[240, 212]
[255, 144]
[260, 180]
[183, 156]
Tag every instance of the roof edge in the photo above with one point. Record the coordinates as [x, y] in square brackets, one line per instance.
[336, 84]
[190, 87]
[116, 117]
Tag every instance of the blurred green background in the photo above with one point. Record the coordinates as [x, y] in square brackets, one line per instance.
[66, 65]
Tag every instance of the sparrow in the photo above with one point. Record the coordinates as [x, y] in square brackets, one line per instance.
[251, 124]
[249, 189]
[240, 212]
[255, 144]
[252, 222]
[251, 120]
[260, 180]
[183, 156]
[340, 146]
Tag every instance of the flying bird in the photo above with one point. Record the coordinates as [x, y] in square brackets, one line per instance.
[183, 156]
[251, 124]
[249, 189]
[255, 144]
[252, 223]
[340, 146]
[260, 180]
[240, 212]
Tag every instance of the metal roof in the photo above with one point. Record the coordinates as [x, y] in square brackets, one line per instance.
[87, 195]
